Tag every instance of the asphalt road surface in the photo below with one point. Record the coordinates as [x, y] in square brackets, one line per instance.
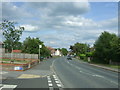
[74, 74]
[61, 73]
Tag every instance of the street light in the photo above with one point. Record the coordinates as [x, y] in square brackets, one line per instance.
[40, 46]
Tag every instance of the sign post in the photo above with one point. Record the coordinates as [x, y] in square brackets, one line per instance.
[40, 46]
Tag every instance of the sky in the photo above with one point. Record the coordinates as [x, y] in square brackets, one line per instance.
[61, 24]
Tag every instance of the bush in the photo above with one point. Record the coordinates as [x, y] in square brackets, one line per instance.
[82, 56]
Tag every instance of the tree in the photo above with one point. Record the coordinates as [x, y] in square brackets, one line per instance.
[11, 34]
[64, 51]
[105, 47]
[31, 45]
[79, 48]
[115, 50]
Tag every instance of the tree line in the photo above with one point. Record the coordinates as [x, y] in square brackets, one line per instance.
[106, 49]
[29, 45]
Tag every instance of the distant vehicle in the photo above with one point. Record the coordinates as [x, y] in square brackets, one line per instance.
[41, 58]
[69, 57]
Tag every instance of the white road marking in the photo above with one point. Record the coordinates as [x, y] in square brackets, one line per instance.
[54, 76]
[55, 72]
[50, 84]
[114, 82]
[85, 73]
[81, 71]
[3, 72]
[59, 85]
[49, 81]
[98, 76]
[8, 86]
[57, 81]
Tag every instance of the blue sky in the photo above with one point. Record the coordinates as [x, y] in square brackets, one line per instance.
[63, 24]
[102, 11]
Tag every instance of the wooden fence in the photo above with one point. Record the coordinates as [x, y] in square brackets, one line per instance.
[19, 55]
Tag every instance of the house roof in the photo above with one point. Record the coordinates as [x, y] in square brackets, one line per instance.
[50, 48]
[1, 43]
[16, 51]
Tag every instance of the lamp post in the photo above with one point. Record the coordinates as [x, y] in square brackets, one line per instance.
[40, 46]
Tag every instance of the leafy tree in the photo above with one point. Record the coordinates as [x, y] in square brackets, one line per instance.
[64, 51]
[106, 47]
[79, 48]
[82, 56]
[11, 34]
[31, 45]
[115, 50]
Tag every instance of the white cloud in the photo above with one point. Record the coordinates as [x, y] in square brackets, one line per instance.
[63, 22]
[30, 27]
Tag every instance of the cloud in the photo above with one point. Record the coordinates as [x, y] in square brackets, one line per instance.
[111, 23]
[69, 8]
[58, 24]
[12, 12]
[30, 27]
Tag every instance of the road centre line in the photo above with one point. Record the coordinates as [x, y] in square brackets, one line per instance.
[85, 72]
[100, 77]
[101, 70]
[93, 74]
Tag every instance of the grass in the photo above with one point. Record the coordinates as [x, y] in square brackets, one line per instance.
[15, 61]
[108, 65]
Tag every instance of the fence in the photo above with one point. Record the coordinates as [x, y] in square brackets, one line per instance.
[114, 63]
[19, 55]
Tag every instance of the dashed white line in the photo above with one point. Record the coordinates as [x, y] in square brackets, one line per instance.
[59, 85]
[98, 76]
[57, 81]
[49, 82]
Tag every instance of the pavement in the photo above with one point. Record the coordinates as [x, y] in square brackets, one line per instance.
[40, 76]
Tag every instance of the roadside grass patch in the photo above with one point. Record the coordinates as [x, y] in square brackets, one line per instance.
[108, 65]
[13, 61]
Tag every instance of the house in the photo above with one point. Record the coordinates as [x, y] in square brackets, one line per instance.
[54, 52]
[57, 53]
[2, 50]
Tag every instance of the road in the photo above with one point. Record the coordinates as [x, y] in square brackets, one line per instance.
[62, 73]
[74, 74]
